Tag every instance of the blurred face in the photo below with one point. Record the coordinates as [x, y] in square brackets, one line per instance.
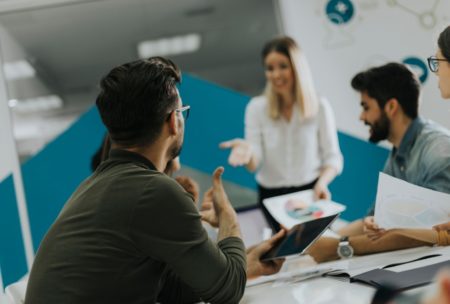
[279, 72]
[374, 117]
[443, 75]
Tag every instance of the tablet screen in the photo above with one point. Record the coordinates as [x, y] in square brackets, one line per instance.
[298, 239]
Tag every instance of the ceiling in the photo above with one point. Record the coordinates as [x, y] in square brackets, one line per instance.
[73, 43]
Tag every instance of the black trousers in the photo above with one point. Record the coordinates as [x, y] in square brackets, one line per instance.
[264, 193]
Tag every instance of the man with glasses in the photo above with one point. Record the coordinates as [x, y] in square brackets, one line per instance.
[130, 233]
[433, 63]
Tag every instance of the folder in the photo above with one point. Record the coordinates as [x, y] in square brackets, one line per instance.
[403, 280]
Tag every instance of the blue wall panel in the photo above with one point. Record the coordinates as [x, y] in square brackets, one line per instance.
[54, 173]
[12, 254]
[217, 114]
[356, 187]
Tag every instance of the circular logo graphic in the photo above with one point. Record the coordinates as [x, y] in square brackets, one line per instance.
[339, 11]
[300, 210]
[418, 66]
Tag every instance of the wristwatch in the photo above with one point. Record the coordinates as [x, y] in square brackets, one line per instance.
[344, 249]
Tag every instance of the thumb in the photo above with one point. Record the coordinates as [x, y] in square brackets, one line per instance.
[268, 244]
[217, 177]
[276, 237]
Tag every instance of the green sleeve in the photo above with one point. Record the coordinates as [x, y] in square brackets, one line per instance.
[166, 226]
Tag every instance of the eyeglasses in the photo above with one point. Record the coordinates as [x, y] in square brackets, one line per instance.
[184, 111]
[433, 63]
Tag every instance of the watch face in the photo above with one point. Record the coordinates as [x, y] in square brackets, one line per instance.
[345, 251]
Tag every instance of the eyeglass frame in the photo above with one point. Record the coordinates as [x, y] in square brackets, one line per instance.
[181, 110]
[435, 59]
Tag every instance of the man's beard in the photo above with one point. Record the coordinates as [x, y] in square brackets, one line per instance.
[175, 150]
[380, 129]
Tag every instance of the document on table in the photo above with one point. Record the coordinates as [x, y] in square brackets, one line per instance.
[299, 207]
[400, 204]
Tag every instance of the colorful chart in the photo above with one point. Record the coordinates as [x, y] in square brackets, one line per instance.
[300, 210]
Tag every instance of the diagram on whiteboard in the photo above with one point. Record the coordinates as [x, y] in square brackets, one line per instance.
[424, 11]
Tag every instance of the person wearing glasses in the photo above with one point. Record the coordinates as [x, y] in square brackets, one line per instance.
[290, 133]
[440, 65]
[130, 233]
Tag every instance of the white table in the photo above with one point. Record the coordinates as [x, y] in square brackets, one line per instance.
[284, 289]
[313, 291]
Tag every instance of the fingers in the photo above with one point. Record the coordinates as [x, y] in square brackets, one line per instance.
[207, 216]
[235, 159]
[208, 195]
[373, 236]
[277, 264]
[206, 206]
[442, 227]
[228, 144]
[321, 192]
[369, 223]
[272, 267]
[268, 244]
[239, 156]
[240, 153]
[276, 237]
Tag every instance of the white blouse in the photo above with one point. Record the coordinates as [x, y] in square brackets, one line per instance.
[291, 153]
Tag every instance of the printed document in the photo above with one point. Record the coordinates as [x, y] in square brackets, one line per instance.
[300, 207]
[400, 204]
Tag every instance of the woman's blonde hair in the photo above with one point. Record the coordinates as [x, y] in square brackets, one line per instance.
[305, 92]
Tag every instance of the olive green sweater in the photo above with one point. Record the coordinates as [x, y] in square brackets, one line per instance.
[130, 234]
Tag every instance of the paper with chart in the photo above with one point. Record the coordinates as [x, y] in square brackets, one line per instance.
[299, 207]
[400, 204]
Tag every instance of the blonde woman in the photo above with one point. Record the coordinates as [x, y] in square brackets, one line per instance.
[290, 133]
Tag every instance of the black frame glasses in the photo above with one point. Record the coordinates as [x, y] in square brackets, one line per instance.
[185, 110]
[433, 63]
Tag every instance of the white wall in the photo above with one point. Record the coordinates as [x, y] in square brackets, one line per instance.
[9, 162]
[379, 31]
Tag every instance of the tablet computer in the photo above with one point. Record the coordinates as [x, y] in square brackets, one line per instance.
[299, 238]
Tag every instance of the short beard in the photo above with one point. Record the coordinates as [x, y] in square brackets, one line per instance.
[175, 150]
[380, 129]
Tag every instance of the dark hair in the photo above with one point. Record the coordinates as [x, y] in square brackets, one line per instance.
[102, 153]
[135, 99]
[392, 80]
[444, 42]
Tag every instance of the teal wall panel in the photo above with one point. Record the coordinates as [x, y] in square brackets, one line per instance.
[12, 253]
[217, 114]
[54, 173]
[356, 187]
